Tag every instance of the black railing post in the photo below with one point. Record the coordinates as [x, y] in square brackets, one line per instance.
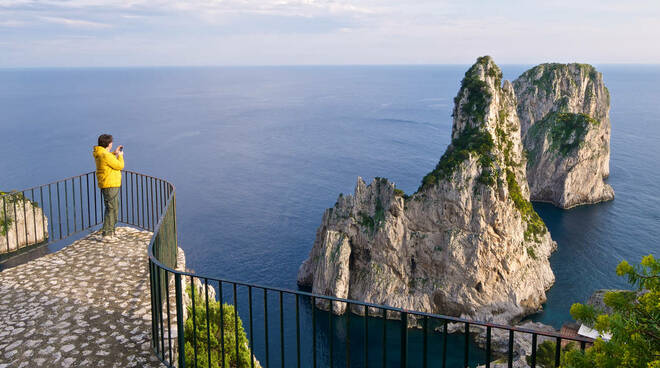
[510, 352]
[236, 324]
[297, 332]
[194, 320]
[366, 336]
[384, 337]
[251, 327]
[169, 324]
[404, 340]
[467, 345]
[425, 348]
[266, 327]
[5, 223]
[444, 344]
[348, 335]
[331, 334]
[488, 352]
[222, 322]
[27, 241]
[208, 322]
[314, 332]
[154, 344]
[533, 350]
[179, 321]
[558, 352]
[281, 330]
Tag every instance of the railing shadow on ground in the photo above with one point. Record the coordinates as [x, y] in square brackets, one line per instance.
[387, 336]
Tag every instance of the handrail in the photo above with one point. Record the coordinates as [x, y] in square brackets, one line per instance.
[149, 203]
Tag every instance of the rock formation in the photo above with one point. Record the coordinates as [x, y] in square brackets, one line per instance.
[467, 243]
[564, 117]
[23, 223]
[522, 343]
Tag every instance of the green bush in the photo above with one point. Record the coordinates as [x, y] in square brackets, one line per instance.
[231, 360]
[634, 322]
[545, 354]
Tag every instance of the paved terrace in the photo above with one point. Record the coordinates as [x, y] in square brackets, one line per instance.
[87, 305]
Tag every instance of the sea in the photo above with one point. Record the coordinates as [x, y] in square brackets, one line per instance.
[258, 153]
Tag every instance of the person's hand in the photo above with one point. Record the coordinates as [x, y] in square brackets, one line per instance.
[119, 151]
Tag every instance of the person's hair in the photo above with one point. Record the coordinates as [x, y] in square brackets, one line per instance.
[105, 140]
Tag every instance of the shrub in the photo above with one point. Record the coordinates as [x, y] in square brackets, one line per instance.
[545, 354]
[634, 322]
[229, 337]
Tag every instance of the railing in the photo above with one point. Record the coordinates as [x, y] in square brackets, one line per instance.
[284, 327]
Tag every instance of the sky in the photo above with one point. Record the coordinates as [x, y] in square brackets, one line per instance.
[105, 33]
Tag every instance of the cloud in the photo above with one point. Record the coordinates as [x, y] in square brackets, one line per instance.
[77, 23]
[248, 32]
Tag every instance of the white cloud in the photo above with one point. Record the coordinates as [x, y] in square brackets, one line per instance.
[158, 32]
[77, 23]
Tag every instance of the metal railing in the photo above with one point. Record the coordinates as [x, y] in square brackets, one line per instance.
[284, 327]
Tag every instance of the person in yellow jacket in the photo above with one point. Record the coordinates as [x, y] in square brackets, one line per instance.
[108, 174]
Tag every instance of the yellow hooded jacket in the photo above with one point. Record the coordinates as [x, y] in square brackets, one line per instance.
[108, 167]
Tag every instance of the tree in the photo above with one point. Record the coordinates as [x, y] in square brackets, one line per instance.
[634, 322]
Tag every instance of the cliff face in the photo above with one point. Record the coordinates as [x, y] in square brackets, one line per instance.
[564, 116]
[467, 243]
[23, 224]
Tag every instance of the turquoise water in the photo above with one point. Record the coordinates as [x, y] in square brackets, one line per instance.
[257, 154]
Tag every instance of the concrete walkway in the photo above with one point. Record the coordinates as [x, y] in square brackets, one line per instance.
[87, 305]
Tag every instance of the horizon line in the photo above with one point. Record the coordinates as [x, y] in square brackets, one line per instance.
[297, 65]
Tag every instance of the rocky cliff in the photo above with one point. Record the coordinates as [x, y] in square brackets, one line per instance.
[467, 243]
[564, 117]
[22, 222]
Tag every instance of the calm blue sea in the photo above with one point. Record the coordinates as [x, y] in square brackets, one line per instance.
[257, 154]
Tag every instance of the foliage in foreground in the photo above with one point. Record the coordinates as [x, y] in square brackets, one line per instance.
[202, 337]
[634, 322]
[545, 354]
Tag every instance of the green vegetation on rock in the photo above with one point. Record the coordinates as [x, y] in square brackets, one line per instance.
[216, 337]
[375, 222]
[535, 225]
[8, 201]
[470, 141]
[476, 89]
[550, 72]
[634, 322]
[531, 253]
[565, 131]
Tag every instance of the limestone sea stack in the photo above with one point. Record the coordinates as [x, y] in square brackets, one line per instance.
[564, 117]
[467, 243]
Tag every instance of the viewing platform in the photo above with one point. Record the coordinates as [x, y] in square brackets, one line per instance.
[88, 304]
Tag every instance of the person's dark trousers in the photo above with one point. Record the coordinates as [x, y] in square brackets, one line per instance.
[111, 202]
